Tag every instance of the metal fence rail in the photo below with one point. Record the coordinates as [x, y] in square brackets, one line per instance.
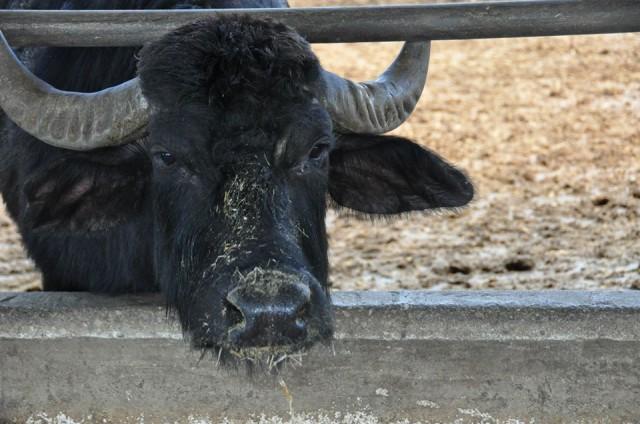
[336, 24]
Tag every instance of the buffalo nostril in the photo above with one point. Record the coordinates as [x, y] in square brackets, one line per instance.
[232, 313]
[301, 315]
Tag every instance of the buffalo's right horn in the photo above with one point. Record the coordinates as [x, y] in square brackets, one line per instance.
[70, 120]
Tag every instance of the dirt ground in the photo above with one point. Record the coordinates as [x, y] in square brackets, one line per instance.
[549, 130]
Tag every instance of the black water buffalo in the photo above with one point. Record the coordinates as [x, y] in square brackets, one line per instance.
[206, 177]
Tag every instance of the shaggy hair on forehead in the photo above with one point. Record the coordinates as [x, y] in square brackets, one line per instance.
[234, 65]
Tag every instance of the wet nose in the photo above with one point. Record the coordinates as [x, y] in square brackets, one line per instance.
[269, 317]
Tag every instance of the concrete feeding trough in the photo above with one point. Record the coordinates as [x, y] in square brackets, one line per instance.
[417, 356]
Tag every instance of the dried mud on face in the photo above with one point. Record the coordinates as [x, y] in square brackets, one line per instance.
[548, 129]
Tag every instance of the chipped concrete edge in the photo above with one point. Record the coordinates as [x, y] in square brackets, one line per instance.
[403, 315]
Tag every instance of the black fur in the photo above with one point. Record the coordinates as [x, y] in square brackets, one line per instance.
[227, 192]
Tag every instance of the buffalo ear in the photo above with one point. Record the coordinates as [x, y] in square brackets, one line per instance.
[390, 175]
[87, 192]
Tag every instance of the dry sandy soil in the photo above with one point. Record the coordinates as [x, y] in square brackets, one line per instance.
[548, 128]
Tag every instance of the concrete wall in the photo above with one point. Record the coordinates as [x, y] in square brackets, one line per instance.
[472, 357]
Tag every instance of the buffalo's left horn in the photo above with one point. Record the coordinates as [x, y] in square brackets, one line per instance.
[70, 120]
[379, 106]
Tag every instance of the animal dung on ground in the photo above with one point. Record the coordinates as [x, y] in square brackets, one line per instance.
[519, 264]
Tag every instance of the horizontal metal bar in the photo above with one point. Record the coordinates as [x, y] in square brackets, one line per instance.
[416, 356]
[336, 24]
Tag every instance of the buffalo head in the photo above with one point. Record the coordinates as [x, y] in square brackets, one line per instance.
[245, 136]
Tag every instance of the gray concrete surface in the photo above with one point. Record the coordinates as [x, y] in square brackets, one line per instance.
[468, 357]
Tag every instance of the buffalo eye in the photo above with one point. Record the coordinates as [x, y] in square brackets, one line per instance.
[319, 151]
[164, 158]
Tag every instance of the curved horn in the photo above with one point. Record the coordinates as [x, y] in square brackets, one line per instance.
[66, 119]
[379, 106]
